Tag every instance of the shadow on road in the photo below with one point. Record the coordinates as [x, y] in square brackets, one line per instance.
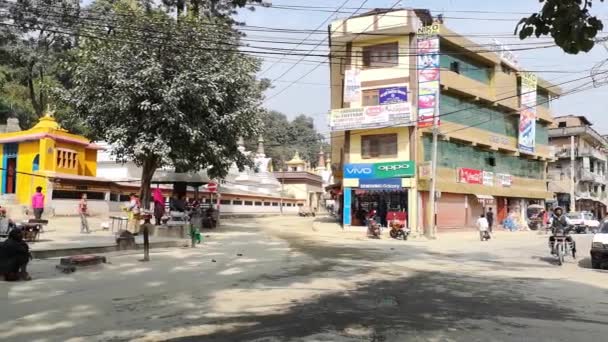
[392, 310]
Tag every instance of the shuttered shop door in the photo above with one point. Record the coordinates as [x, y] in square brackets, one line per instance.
[451, 212]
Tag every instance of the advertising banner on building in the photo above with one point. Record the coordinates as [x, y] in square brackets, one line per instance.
[428, 72]
[396, 114]
[394, 169]
[527, 115]
[380, 184]
[352, 85]
[504, 179]
[392, 95]
[470, 176]
[488, 178]
[384, 170]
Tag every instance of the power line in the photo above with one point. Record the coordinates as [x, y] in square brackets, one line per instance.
[310, 34]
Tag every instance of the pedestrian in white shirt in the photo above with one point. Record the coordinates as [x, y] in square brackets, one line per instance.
[482, 225]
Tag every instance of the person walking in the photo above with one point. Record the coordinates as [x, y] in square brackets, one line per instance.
[490, 219]
[38, 203]
[82, 211]
[135, 211]
[159, 205]
[482, 226]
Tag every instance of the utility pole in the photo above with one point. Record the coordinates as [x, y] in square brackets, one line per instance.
[282, 184]
[572, 199]
[431, 233]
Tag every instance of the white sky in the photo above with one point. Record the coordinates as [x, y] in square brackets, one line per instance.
[311, 95]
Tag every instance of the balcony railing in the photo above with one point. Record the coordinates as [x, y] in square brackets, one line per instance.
[591, 152]
[588, 176]
[581, 152]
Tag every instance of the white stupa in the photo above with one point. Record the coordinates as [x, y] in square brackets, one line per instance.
[256, 181]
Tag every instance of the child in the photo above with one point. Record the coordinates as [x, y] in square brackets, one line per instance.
[482, 225]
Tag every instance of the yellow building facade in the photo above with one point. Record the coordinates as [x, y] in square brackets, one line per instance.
[483, 163]
[46, 152]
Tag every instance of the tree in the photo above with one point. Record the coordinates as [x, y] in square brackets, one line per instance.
[568, 22]
[166, 97]
[222, 9]
[283, 138]
[35, 38]
[307, 138]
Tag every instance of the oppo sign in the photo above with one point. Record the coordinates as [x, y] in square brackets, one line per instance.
[380, 170]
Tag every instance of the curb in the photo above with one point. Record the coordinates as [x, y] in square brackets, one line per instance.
[54, 253]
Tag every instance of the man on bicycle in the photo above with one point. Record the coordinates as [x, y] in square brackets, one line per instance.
[559, 225]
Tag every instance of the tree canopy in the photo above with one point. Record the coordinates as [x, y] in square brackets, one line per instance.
[282, 138]
[569, 22]
[179, 96]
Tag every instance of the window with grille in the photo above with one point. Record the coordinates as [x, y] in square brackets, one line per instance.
[379, 146]
[381, 56]
[67, 159]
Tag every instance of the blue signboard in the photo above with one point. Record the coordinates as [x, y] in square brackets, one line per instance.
[380, 184]
[361, 171]
[392, 95]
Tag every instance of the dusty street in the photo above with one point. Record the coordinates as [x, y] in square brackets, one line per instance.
[258, 280]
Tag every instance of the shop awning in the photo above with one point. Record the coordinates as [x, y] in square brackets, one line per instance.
[485, 199]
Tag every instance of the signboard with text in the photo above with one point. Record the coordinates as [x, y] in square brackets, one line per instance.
[488, 178]
[380, 184]
[392, 95]
[504, 180]
[395, 114]
[352, 85]
[527, 115]
[380, 170]
[470, 176]
[428, 72]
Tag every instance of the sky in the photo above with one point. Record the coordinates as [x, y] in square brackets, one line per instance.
[310, 95]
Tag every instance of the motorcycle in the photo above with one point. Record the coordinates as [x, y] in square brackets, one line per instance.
[373, 228]
[560, 246]
[398, 229]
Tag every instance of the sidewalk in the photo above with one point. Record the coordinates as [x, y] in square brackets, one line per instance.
[62, 237]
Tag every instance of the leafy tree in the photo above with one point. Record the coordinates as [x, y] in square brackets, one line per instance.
[167, 97]
[283, 138]
[223, 9]
[35, 38]
[568, 22]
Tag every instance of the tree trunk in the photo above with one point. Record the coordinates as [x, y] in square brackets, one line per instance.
[147, 172]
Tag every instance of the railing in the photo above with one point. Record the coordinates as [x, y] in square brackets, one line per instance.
[588, 176]
[591, 152]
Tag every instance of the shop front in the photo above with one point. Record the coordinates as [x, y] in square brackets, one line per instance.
[381, 187]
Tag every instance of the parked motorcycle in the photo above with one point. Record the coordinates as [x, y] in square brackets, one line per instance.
[373, 228]
[398, 229]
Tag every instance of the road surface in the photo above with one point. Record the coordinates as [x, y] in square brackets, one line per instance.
[291, 280]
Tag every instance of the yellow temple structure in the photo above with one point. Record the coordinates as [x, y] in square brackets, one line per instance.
[47, 156]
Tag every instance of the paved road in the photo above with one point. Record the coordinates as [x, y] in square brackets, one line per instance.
[280, 280]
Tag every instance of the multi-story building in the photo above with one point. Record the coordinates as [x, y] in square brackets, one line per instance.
[381, 140]
[572, 133]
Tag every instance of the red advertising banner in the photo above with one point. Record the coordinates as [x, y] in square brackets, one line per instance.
[470, 176]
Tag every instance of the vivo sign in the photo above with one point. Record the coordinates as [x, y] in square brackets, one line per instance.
[359, 171]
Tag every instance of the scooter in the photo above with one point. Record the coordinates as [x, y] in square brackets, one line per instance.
[398, 230]
[373, 228]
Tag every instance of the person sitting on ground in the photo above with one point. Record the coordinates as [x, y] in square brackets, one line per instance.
[482, 226]
[14, 257]
[559, 225]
